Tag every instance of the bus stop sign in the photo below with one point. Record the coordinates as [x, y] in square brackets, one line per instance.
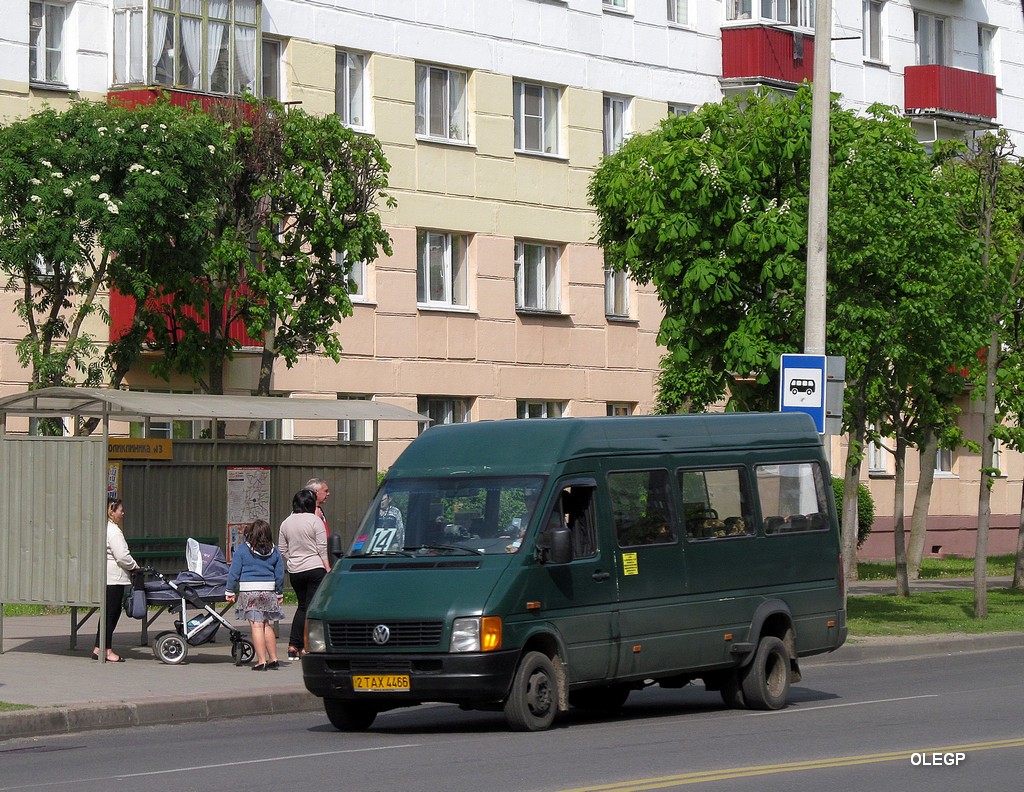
[802, 387]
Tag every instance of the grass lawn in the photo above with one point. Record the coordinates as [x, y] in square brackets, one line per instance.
[5, 707]
[930, 612]
[937, 568]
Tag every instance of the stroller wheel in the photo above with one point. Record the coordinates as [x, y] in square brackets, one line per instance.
[170, 648]
[242, 651]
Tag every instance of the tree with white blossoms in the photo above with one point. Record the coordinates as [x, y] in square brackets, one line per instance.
[91, 196]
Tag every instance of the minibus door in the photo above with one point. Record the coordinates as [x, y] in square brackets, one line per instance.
[578, 597]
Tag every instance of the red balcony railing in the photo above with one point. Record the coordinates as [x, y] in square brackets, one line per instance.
[122, 311]
[767, 53]
[133, 97]
[949, 90]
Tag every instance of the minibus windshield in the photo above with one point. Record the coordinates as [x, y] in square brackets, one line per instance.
[442, 516]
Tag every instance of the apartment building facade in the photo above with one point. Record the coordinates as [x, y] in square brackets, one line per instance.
[495, 302]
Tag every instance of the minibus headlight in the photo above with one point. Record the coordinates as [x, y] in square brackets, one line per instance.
[315, 636]
[476, 634]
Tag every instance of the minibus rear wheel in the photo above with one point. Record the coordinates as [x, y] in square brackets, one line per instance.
[533, 700]
[349, 715]
[766, 679]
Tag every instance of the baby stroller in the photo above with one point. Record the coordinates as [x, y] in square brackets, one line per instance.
[200, 587]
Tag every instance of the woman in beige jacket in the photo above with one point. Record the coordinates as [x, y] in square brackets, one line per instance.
[119, 564]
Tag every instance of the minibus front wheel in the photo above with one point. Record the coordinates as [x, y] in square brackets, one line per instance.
[533, 700]
[349, 715]
[766, 679]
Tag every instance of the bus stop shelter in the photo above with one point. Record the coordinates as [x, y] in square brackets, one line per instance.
[53, 490]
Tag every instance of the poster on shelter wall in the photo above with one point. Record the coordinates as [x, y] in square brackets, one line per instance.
[113, 480]
[248, 500]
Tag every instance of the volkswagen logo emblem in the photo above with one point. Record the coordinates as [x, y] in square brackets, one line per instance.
[381, 634]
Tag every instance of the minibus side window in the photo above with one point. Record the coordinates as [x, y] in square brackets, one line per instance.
[641, 507]
[574, 508]
[715, 504]
[792, 498]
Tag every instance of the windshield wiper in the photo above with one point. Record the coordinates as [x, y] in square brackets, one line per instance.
[403, 552]
[456, 548]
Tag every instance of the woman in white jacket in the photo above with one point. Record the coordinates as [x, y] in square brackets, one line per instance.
[119, 564]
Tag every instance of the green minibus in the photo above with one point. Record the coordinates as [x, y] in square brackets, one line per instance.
[530, 566]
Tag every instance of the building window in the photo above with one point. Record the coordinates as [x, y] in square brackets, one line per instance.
[619, 5]
[351, 430]
[986, 49]
[270, 69]
[168, 430]
[679, 12]
[539, 409]
[799, 13]
[355, 271]
[46, 42]
[676, 109]
[537, 279]
[349, 72]
[944, 462]
[442, 269]
[535, 112]
[617, 409]
[205, 45]
[878, 457]
[441, 103]
[616, 122]
[129, 49]
[997, 457]
[616, 293]
[442, 410]
[930, 39]
[872, 30]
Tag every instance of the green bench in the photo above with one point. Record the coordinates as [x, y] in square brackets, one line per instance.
[145, 549]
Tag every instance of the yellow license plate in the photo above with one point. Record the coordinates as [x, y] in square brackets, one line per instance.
[392, 682]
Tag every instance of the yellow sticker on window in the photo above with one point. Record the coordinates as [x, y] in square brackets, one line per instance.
[629, 565]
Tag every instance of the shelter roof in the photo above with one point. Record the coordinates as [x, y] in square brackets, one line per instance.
[138, 405]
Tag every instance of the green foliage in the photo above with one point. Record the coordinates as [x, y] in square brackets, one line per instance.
[865, 508]
[934, 612]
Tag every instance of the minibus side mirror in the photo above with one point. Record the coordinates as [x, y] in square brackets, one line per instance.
[559, 549]
[334, 547]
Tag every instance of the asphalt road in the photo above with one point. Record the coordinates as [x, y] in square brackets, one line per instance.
[854, 725]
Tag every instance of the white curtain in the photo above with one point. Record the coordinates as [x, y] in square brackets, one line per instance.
[160, 22]
[245, 59]
[192, 44]
[215, 41]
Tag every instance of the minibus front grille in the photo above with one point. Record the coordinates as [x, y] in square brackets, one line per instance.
[401, 635]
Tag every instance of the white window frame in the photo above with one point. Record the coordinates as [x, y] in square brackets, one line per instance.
[129, 55]
[535, 132]
[680, 109]
[532, 408]
[616, 5]
[442, 269]
[679, 12]
[616, 294]
[997, 457]
[213, 69]
[930, 43]
[349, 98]
[873, 30]
[739, 10]
[450, 410]
[163, 429]
[357, 278]
[538, 277]
[987, 60]
[47, 46]
[801, 14]
[441, 103]
[616, 409]
[351, 430]
[944, 462]
[616, 122]
[877, 457]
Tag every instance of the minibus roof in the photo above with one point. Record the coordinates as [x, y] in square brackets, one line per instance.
[517, 447]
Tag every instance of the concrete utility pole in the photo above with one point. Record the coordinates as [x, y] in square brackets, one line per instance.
[817, 216]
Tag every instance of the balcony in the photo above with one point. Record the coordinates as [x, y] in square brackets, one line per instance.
[146, 95]
[755, 55]
[122, 312]
[953, 94]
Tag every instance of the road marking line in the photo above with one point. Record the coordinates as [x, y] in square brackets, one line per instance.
[704, 776]
[797, 709]
[171, 770]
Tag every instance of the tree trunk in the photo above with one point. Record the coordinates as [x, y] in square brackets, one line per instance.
[850, 505]
[1018, 567]
[899, 533]
[919, 519]
[988, 421]
[265, 377]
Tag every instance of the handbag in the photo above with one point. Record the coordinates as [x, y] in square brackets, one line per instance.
[135, 605]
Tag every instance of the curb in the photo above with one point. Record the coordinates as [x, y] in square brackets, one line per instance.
[876, 649]
[154, 711]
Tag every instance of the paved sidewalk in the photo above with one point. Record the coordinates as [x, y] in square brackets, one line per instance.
[70, 692]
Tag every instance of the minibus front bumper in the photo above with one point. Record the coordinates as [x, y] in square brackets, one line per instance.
[472, 678]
